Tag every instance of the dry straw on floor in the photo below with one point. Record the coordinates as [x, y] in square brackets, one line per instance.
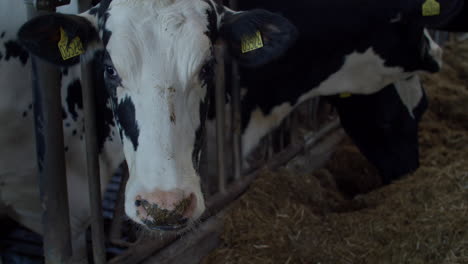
[422, 218]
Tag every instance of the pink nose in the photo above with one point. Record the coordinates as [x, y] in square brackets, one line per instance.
[162, 210]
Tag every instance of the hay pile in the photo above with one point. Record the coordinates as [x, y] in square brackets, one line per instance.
[422, 218]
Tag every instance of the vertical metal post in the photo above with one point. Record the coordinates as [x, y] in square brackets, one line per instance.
[314, 106]
[220, 93]
[95, 199]
[50, 156]
[236, 113]
[236, 121]
[92, 159]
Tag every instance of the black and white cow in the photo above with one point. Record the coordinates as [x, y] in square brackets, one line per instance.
[355, 47]
[155, 70]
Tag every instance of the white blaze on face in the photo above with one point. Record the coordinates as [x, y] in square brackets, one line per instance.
[434, 49]
[158, 51]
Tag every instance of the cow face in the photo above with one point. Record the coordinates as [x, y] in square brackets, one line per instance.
[408, 46]
[157, 63]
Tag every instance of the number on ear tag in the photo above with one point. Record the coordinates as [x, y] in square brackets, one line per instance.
[71, 49]
[431, 8]
[252, 42]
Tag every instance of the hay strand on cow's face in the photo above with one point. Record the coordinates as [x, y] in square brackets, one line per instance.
[422, 218]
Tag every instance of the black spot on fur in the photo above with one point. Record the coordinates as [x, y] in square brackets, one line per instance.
[101, 11]
[93, 11]
[104, 111]
[3, 34]
[206, 77]
[14, 50]
[25, 114]
[212, 30]
[67, 124]
[74, 132]
[64, 114]
[121, 133]
[30, 106]
[1, 56]
[74, 98]
[66, 149]
[64, 71]
[126, 117]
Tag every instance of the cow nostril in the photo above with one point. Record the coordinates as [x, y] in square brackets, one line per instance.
[137, 203]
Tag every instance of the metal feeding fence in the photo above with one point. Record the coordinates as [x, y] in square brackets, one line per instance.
[113, 239]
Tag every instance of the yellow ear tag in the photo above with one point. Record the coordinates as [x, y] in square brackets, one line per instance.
[252, 42]
[431, 8]
[71, 49]
[345, 95]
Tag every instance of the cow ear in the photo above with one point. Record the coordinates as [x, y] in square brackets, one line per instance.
[432, 13]
[58, 38]
[257, 37]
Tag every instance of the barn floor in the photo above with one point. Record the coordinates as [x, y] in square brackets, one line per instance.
[339, 215]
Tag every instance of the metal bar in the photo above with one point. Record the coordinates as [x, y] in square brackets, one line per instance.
[236, 117]
[314, 105]
[119, 213]
[220, 92]
[92, 159]
[236, 121]
[218, 201]
[143, 248]
[192, 247]
[50, 157]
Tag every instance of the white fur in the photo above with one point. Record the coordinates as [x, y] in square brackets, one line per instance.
[158, 52]
[410, 92]
[434, 49]
[361, 73]
[260, 124]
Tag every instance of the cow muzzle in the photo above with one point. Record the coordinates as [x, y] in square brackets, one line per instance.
[165, 210]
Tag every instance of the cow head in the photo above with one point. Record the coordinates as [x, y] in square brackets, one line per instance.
[407, 40]
[157, 64]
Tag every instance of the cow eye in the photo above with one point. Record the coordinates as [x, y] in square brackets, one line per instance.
[110, 72]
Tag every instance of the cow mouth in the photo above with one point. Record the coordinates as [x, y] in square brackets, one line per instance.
[156, 218]
[151, 225]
